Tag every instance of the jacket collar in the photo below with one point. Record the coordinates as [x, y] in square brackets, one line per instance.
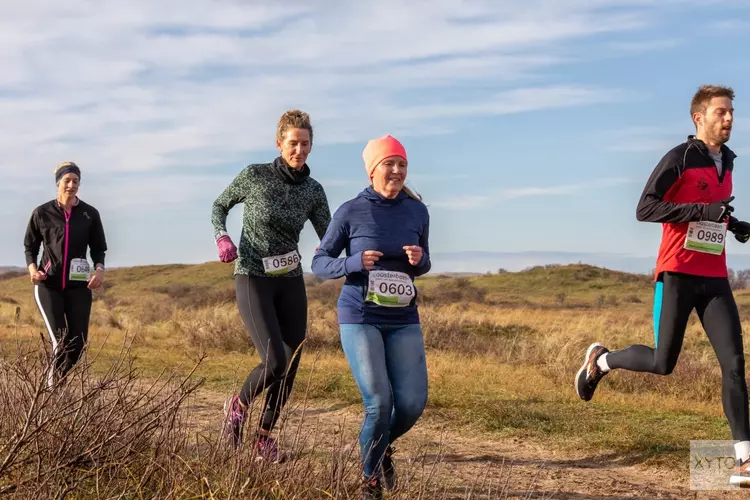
[695, 142]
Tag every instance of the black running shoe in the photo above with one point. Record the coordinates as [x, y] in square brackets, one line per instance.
[389, 473]
[372, 489]
[589, 374]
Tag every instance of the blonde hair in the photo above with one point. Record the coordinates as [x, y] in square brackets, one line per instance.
[412, 194]
[409, 192]
[294, 118]
[65, 164]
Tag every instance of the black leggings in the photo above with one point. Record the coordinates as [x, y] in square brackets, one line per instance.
[676, 295]
[66, 316]
[274, 310]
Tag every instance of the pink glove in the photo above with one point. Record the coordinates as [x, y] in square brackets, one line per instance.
[227, 250]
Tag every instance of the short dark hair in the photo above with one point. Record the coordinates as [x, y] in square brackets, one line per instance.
[705, 93]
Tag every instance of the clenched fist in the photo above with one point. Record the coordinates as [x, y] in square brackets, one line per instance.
[414, 252]
[369, 258]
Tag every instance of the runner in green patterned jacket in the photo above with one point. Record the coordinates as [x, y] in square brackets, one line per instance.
[279, 198]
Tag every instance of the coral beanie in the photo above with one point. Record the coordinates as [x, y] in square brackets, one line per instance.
[379, 149]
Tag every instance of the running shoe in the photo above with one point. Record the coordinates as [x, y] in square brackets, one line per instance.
[372, 489]
[741, 474]
[590, 374]
[389, 472]
[234, 418]
[268, 450]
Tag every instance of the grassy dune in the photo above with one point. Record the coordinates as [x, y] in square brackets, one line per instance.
[502, 351]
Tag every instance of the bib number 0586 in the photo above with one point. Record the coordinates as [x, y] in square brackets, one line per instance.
[281, 264]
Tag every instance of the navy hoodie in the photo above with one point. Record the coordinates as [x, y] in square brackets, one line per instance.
[373, 222]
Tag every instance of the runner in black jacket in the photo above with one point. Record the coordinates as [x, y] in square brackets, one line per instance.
[63, 279]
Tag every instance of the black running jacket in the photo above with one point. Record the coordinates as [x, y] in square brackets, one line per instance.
[65, 238]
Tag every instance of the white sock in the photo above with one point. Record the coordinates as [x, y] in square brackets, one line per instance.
[742, 450]
[601, 362]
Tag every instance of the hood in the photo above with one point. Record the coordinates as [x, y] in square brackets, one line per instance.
[374, 197]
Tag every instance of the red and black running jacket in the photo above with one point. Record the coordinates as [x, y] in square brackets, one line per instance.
[677, 192]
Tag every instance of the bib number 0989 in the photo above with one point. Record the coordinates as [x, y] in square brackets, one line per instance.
[706, 237]
[711, 236]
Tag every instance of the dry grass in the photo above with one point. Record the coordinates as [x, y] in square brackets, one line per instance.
[502, 351]
[115, 434]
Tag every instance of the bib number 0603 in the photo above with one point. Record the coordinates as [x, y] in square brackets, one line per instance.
[395, 289]
[390, 288]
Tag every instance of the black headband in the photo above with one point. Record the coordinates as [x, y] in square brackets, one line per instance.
[67, 169]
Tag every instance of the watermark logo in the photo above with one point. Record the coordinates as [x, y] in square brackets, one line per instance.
[712, 465]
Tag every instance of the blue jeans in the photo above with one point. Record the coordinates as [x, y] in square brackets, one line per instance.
[389, 367]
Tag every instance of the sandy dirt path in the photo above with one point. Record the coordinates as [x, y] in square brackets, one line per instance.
[459, 461]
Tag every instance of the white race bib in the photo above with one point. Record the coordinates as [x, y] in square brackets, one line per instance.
[390, 288]
[281, 264]
[79, 270]
[706, 237]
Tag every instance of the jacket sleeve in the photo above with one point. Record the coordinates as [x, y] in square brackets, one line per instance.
[32, 241]
[233, 194]
[424, 265]
[326, 263]
[653, 208]
[97, 241]
[321, 214]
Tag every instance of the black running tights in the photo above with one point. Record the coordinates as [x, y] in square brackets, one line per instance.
[274, 311]
[676, 295]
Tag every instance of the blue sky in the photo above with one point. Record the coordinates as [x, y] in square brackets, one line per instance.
[530, 126]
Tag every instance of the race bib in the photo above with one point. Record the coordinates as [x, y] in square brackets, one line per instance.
[79, 270]
[706, 237]
[390, 289]
[281, 264]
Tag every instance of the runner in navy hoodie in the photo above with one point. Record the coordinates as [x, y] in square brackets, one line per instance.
[384, 231]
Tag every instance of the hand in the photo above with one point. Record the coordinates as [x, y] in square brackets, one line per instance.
[227, 250]
[96, 280]
[370, 257]
[414, 252]
[740, 229]
[37, 276]
[718, 211]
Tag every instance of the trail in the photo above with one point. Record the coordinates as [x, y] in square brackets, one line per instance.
[459, 460]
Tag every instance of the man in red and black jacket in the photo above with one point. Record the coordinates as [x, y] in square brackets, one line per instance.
[689, 193]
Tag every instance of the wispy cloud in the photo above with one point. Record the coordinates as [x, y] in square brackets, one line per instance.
[498, 196]
[646, 138]
[153, 87]
[646, 45]
[145, 86]
[661, 138]
[726, 25]
[646, 145]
